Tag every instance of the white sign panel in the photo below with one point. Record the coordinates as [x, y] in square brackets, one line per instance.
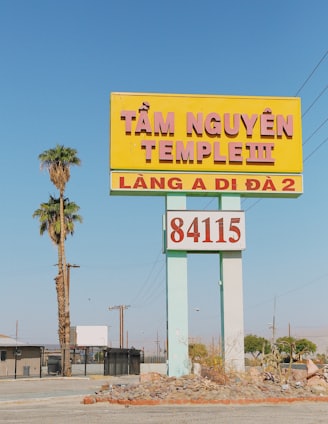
[205, 230]
[91, 335]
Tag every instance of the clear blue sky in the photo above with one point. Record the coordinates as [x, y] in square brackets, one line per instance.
[59, 62]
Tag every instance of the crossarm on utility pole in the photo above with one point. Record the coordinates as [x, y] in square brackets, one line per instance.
[121, 309]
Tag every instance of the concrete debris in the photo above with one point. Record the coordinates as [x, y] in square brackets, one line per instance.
[312, 369]
[156, 388]
[315, 373]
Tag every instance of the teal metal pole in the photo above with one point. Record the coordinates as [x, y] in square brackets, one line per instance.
[177, 301]
[231, 299]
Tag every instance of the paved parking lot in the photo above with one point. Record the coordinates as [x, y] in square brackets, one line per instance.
[59, 401]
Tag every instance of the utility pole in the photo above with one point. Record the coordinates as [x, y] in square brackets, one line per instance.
[121, 309]
[274, 322]
[69, 266]
[157, 347]
[66, 367]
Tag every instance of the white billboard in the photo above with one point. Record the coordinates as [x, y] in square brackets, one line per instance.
[92, 335]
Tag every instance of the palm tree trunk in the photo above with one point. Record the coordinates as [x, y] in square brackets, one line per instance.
[61, 309]
[66, 351]
[60, 301]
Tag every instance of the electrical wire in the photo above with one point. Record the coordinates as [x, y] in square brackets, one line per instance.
[148, 296]
[314, 101]
[315, 131]
[154, 293]
[286, 293]
[315, 150]
[311, 74]
[148, 282]
[306, 111]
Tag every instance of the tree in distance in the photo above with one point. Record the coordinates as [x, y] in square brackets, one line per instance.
[256, 345]
[293, 348]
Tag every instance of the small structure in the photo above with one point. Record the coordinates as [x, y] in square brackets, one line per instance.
[18, 359]
[122, 361]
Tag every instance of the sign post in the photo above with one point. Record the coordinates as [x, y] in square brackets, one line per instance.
[177, 302]
[231, 292]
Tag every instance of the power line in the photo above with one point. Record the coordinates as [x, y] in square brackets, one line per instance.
[307, 158]
[315, 131]
[314, 101]
[253, 204]
[155, 290]
[154, 296]
[144, 288]
[316, 149]
[304, 160]
[312, 104]
[314, 281]
[313, 71]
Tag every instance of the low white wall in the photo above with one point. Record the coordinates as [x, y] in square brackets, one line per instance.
[96, 369]
[159, 368]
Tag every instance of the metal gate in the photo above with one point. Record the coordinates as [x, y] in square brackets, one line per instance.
[122, 361]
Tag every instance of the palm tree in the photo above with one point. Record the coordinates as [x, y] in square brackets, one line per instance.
[49, 218]
[58, 162]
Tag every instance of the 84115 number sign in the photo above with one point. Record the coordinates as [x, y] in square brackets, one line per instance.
[205, 230]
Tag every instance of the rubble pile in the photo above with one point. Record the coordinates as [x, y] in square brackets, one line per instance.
[254, 385]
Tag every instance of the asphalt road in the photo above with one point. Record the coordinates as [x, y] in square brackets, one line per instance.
[59, 401]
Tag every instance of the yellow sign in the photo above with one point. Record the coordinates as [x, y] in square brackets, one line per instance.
[287, 185]
[203, 133]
